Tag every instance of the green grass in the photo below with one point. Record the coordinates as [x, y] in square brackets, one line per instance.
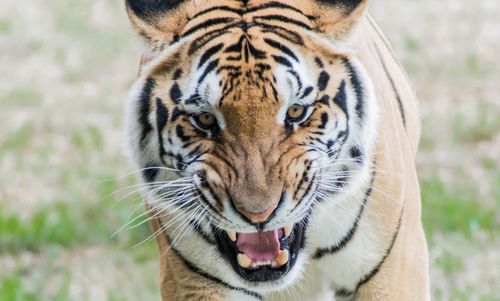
[52, 224]
[11, 288]
[5, 27]
[453, 210]
[21, 96]
[67, 224]
[18, 139]
[63, 226]
[483, 126]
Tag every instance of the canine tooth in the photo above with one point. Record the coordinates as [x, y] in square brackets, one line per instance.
[288, 230]
[244, 261]
[282, 257]
[274, 264]
[232, 235]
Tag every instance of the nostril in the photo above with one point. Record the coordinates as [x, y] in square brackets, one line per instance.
[259, 217]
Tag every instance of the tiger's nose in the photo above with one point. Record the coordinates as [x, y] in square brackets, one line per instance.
[258, 217]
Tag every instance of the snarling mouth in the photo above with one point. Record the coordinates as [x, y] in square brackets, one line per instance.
[265, 255]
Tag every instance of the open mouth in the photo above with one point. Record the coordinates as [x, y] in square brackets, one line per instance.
[265, 255]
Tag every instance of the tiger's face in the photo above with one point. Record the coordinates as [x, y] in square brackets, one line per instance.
[241, 135]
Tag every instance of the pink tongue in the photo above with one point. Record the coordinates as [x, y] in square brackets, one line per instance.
[260, 246]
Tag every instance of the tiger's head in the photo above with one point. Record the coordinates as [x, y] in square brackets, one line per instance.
[246, 117]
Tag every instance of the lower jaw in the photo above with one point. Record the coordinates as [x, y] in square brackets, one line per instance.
[265, 273]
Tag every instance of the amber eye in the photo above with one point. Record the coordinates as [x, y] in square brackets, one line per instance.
[206, 120]
[296, 113]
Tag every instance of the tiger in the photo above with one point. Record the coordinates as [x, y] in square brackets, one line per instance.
[276, 144]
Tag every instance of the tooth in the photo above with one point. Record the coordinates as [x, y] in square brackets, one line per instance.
[288, 230]
[244, 261]
[232, 235]
[274, 264]
[282, 257]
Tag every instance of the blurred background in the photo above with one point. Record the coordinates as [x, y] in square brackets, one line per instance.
[65, 71]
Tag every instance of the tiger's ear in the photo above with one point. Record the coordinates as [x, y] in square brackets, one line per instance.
[337, 18]
[158, 22]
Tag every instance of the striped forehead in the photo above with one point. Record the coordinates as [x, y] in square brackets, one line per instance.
[227, 54]
[249, 63]
[232, 41]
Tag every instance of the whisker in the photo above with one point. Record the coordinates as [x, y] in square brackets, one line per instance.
[141, 170]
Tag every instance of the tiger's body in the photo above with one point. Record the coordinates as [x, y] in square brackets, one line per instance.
[279, 165]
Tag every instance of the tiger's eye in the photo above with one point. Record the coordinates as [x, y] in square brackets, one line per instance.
[207, 119]
[295, 112]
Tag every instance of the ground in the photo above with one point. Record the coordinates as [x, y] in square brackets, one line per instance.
[65, 185]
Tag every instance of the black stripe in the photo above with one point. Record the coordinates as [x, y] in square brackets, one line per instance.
[350, 234]
[256, 53]
[297, 79]
[275, 4]
[319, 62]
[341, 99]
[161, 122]
[207, 202]
[145, 107]
[206, 24]
[324, 120]
[374, 272]
[161, 115]
[385, 42]
[281, 47]
[343, 293]
[175, 93]
[179, 130]
[177, 74]
[196, 226]
[176, 113]
[210, 67]
[357, 154]
[209, 53]
[393, 85]
[307, 91]
[149, 171]
[323, 80]
[236, 47]
[213, 195]
[325, 99]
[200, 272]
[358, 88]
[289, 35]
[207, 37]
[246, 55]
[306, 192]
[284, 19]
[219, 8]
[282, 60]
